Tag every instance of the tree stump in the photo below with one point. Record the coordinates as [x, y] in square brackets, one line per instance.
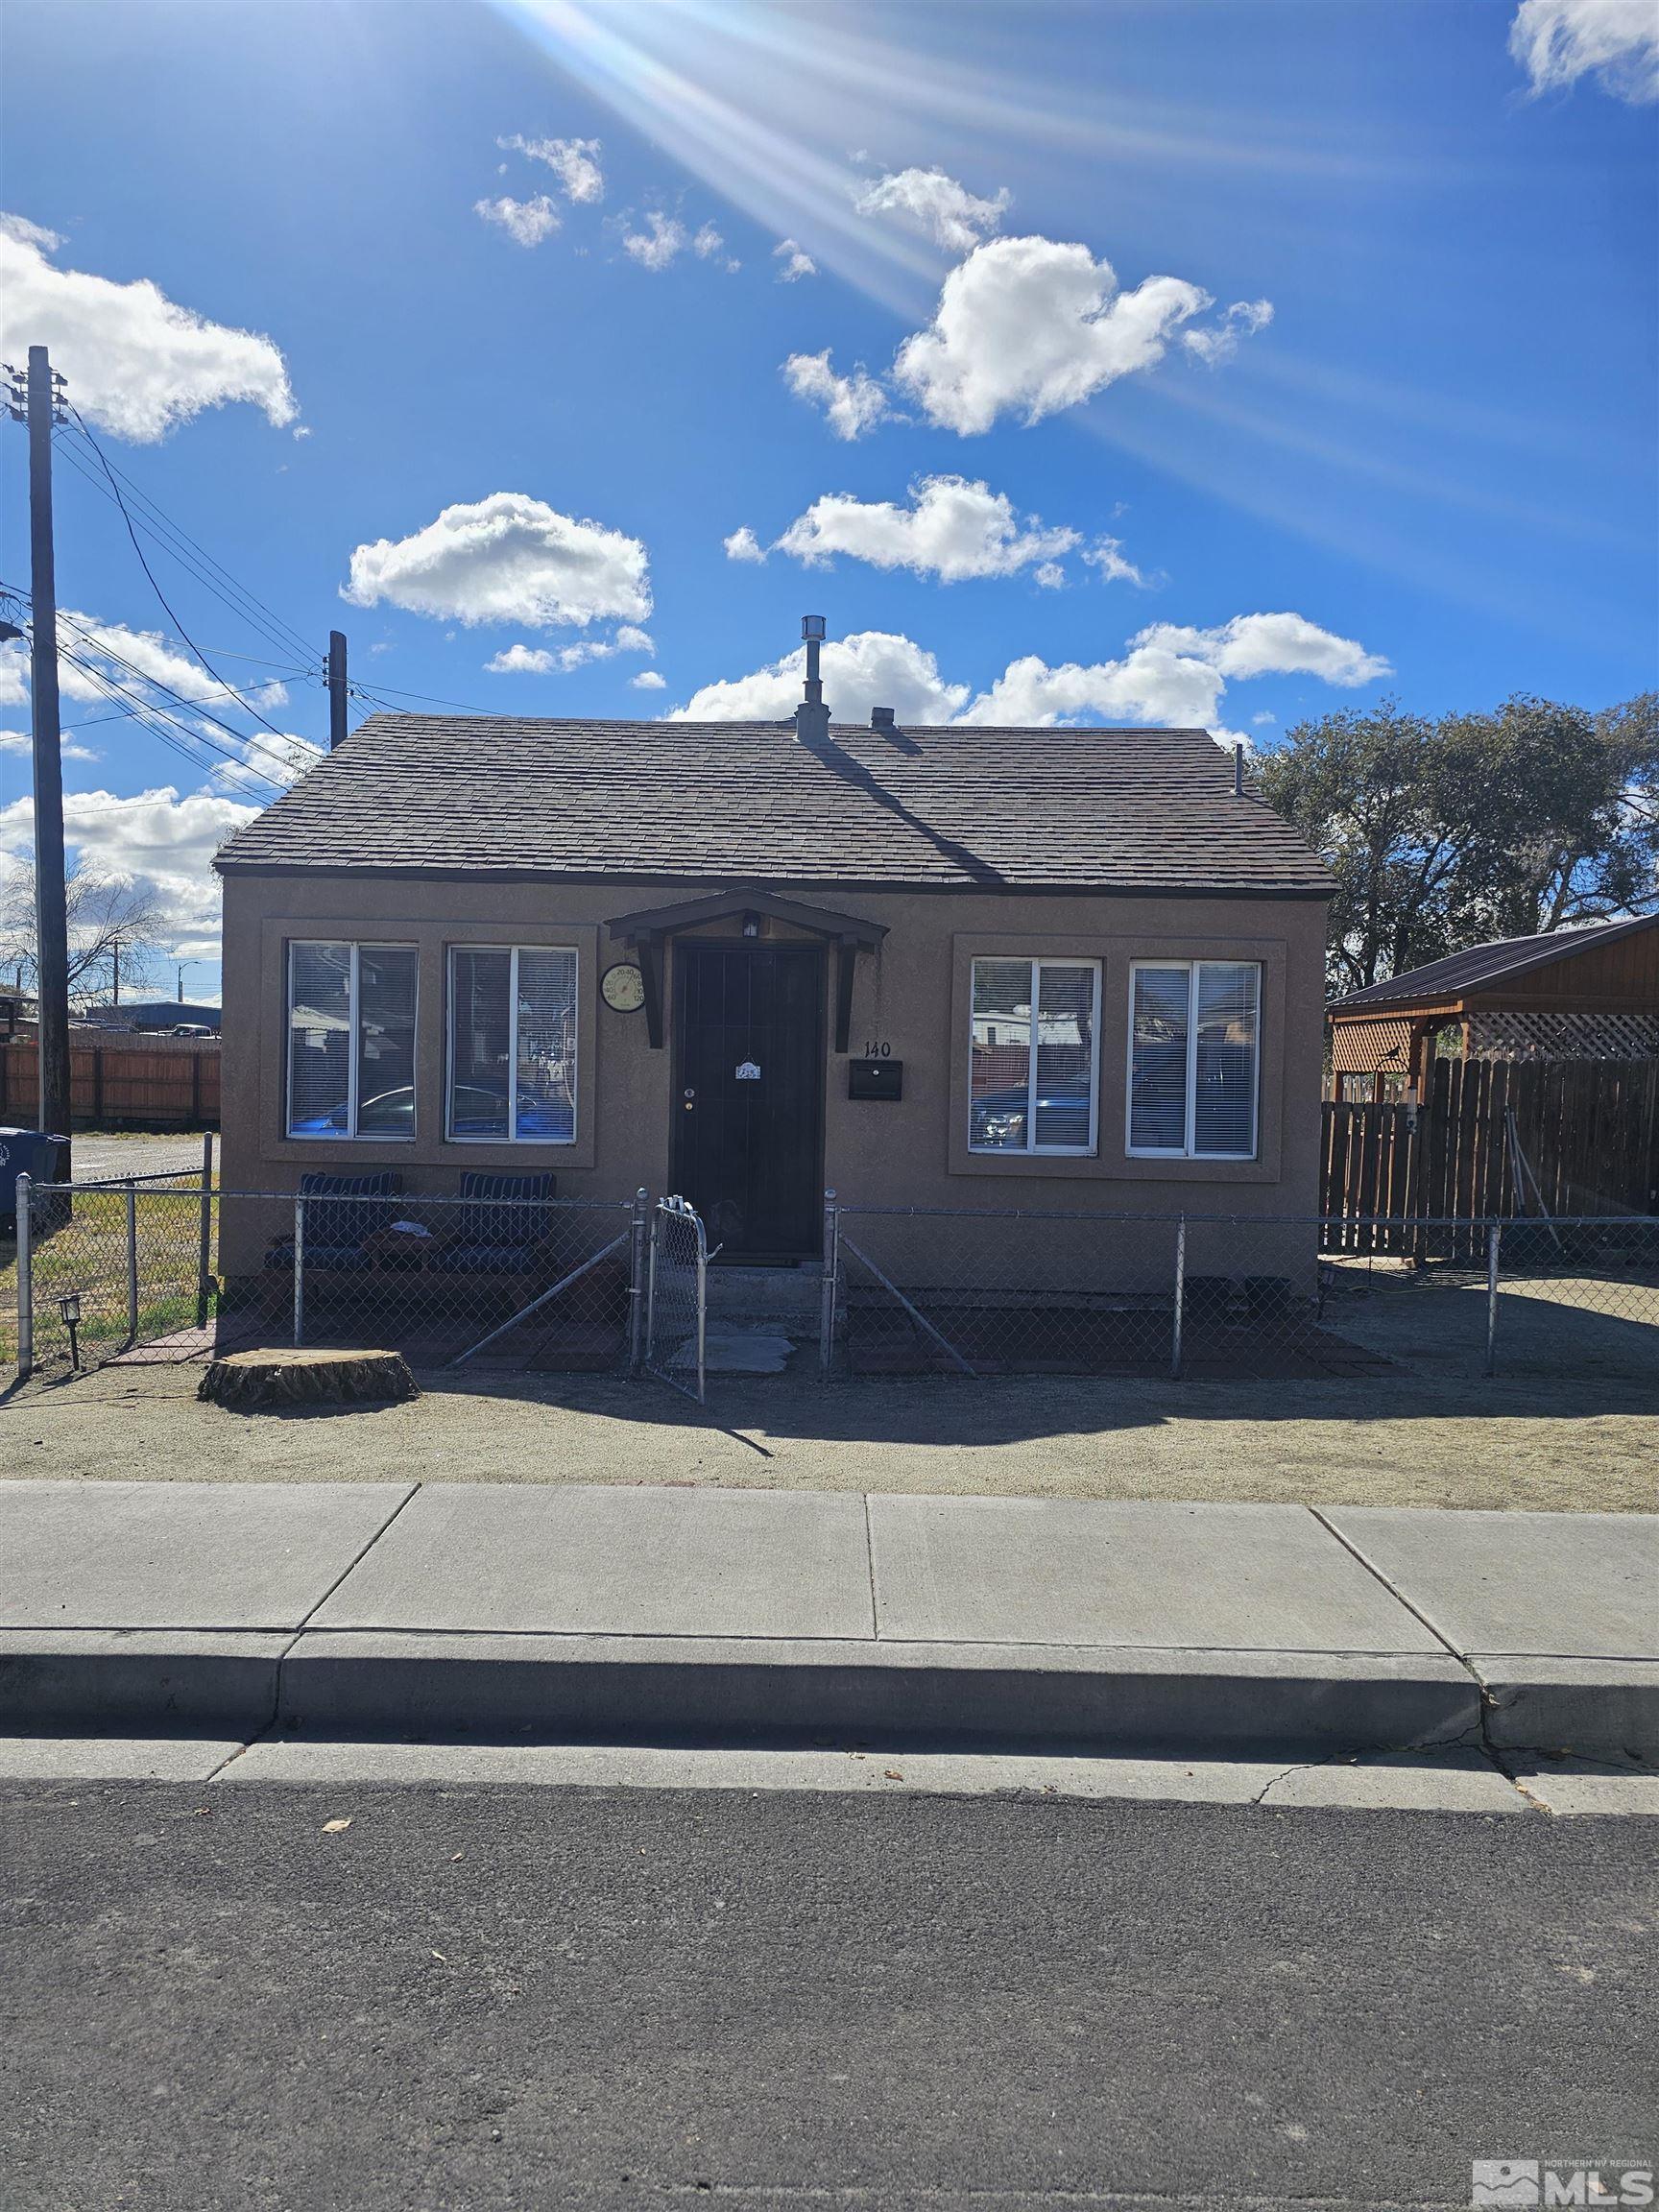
[250, 1382]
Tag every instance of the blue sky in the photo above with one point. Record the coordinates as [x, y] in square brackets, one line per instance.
[1209, 361]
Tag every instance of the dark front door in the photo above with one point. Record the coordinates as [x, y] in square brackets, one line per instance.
[748, 1099]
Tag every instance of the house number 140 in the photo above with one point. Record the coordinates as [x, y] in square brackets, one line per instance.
[878, 1052]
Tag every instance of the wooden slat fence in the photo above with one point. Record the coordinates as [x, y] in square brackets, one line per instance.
[1589, 1129]
[120, 1082]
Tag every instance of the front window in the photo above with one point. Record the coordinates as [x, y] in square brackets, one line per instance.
[352, 1041]
[1033, 1066]
[1193, 1058]
[511, 1043]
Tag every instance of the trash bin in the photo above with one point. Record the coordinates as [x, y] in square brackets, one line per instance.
[33, 1153]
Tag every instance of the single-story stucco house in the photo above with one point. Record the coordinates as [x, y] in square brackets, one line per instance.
[745, 960]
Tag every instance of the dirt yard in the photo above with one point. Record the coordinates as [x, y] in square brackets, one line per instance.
[1550, 1445]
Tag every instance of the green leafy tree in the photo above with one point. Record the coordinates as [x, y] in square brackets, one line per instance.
[1443, 834]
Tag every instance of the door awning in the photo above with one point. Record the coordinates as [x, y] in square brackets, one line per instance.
[647, 929]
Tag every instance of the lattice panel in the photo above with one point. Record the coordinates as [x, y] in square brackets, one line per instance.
[1527, 1036]
[1360, 1047]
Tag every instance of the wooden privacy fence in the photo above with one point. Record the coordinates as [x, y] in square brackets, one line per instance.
[118, 1081]
[1588, 1130]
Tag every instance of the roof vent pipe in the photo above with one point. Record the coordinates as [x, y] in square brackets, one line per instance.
[1239, 770]
[883, 717]
[812, 717]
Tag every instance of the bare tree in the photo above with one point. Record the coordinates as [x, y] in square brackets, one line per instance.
[105, 912]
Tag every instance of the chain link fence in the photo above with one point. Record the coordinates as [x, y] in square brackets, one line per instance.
[1015, 1290]
[507, 1279]
[677, 1298]
[531, 1284]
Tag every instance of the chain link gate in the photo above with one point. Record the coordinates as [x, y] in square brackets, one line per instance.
[677, 1297]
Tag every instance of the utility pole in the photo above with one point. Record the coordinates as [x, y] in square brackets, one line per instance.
[336, 682]
[116, 971]
[181, 982]
[36, 400]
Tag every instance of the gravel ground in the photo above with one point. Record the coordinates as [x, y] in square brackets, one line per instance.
[1562, 1445]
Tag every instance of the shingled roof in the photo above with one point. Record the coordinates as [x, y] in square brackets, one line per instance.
[933, 808]
[1480, 966]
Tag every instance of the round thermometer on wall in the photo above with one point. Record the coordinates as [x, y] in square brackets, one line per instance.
[623, 988]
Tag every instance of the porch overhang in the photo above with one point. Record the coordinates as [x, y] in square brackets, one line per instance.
[647, 931]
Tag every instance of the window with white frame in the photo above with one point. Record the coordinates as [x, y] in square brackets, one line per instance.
[351, 1040]
[512, 1045]
[1033, 1056]
[1194, 1053]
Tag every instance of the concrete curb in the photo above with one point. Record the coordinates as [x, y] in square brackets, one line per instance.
[738, 1691]
[1593, 1708]
[142, 1681]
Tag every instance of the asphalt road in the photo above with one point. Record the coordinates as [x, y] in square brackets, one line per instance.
[494, 1998]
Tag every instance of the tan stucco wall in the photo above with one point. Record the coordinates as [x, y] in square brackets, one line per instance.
[910, 996]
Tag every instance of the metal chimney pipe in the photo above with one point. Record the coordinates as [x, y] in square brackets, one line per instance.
[1239, 771]
[812, 717]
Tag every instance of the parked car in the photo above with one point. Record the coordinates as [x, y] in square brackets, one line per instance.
[479, 1110]
[997, 1118]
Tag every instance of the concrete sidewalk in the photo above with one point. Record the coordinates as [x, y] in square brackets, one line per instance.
[607, 1615]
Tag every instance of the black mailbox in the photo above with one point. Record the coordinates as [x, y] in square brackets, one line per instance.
[875, 1078]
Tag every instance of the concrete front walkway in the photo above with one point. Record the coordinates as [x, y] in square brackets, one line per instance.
[611, 1615]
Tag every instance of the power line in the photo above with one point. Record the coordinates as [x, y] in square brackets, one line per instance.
[160, 525]
[185, 559]
[243, 739]
[159, 722]
[375, 700]
[246, 705]
[94, 643]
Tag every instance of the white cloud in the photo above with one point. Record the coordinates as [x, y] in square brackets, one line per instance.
[137, 364]
[123, 653]
[648, 680]
[1032, 325]
[743, 545]
[13, 673]
[526, 222]
[1270, 645]
[1558, 41]
[871, 668]
[1168, 675]
[1263, 719]
[1220, 342]
[657, 245]
[266, 759]
[1049, 574]
[507, 558]
[156, 838]
[709, 246]
[935, 204]
[796, 261]
[1108, 556]
[27, 233]
[573, 162]
[851, 405]
[20, 741]
[520, 660]
[952, 529]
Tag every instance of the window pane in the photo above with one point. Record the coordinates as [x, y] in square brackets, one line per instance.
[319, 1040]
[386, 1040]
[480, 1044]
[1000, 1069]
[546, 1073]
[1065, 1054]
[1158, 1061]
[1224, 1119]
